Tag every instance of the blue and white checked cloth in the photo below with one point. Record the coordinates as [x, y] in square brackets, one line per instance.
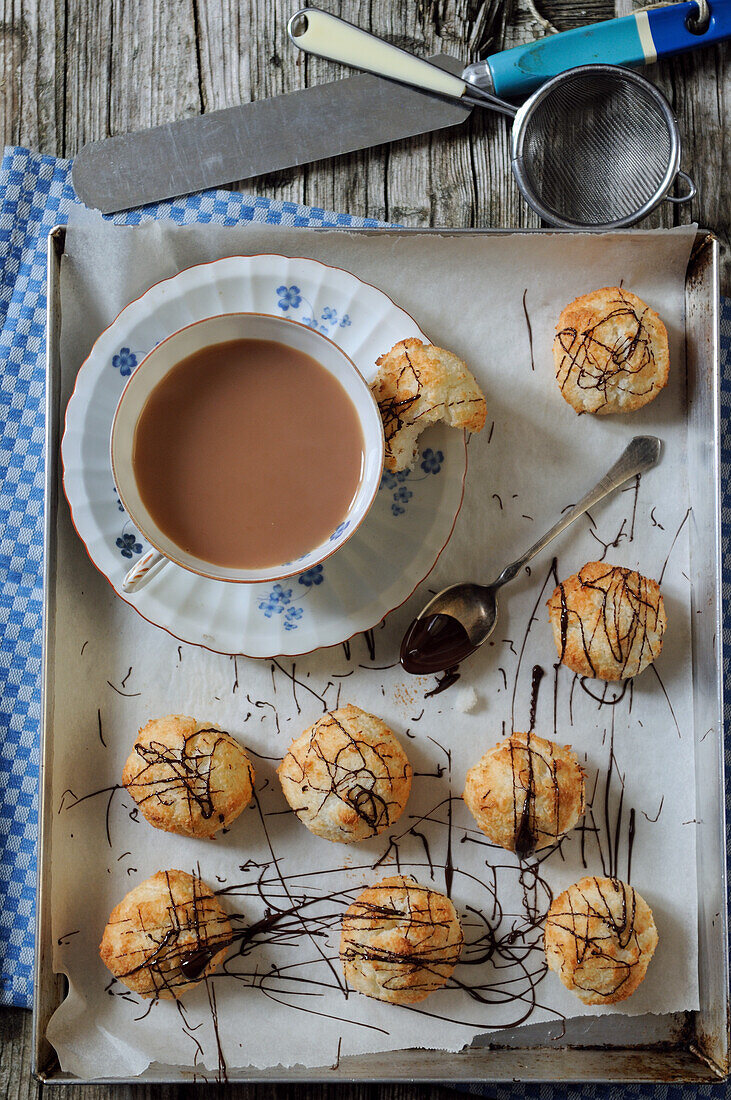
[36, 194]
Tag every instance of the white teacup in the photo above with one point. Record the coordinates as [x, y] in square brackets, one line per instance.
[216, 330]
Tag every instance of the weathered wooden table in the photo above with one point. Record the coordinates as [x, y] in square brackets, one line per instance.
[72, 71]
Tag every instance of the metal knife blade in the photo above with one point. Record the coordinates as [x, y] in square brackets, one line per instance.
[253, 139]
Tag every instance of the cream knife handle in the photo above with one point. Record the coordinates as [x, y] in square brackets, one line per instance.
[318, 32]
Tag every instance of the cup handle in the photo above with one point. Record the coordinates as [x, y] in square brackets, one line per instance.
[140, 569]
[692, 189]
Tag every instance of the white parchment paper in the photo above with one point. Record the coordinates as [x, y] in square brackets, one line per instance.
[494, 300]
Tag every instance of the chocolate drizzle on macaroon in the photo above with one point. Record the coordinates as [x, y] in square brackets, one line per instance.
[347, 777]
[188, 778]
[600, 936]
[165, 935]
[526, 837]
[610, 352]
[189, 772]
[400, 941]
[608, 622]
[526, 792]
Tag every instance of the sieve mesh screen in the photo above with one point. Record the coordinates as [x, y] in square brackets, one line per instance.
[572, 141]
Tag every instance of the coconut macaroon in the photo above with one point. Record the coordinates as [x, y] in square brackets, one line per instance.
[165, 935]
[599, 938]
[610, 352]
[526, 792]
[347, 777]
[400, 941]
[608, 622]
[188, 777]
[418, 384]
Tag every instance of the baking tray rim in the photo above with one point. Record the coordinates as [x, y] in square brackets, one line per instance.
[696, 1056]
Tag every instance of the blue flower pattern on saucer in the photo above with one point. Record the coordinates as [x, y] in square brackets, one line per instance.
[128, 545]
[431, 461]
[394, 483]
[400, 498]
[312, 576]
[280, 600]
[128, 542]
[276, 601]
[328, 319]
[289, 297]
[291, 616]
[125, 361]
[390, 480]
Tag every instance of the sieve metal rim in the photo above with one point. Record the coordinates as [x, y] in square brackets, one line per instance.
[524, 114]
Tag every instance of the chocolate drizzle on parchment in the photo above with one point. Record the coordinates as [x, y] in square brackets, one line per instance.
[447, 680]
[501, 965]
[522, 765]
[530, 330]
[282, 911]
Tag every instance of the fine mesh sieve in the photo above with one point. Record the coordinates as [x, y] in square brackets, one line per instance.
[596, 147]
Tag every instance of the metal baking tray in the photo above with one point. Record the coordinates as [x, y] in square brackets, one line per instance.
[687, 1047]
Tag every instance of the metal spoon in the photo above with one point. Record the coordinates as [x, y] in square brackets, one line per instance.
[460, 618]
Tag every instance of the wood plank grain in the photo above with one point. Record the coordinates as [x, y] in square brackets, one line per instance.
[129, 65]
[566, 14]
[153, 64]
[424, 181]
[88, 52]
[16, 1082]
[140, 63]
[31, 73]
[240, 59]
[700, 86]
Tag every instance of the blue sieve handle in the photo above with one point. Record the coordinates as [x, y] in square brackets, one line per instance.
[634, 40]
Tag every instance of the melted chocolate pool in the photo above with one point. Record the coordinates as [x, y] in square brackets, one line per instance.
[434, 644]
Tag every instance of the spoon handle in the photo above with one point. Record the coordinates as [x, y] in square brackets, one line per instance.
[640, 455]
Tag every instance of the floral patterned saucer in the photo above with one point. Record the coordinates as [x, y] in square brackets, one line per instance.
[397, 545]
